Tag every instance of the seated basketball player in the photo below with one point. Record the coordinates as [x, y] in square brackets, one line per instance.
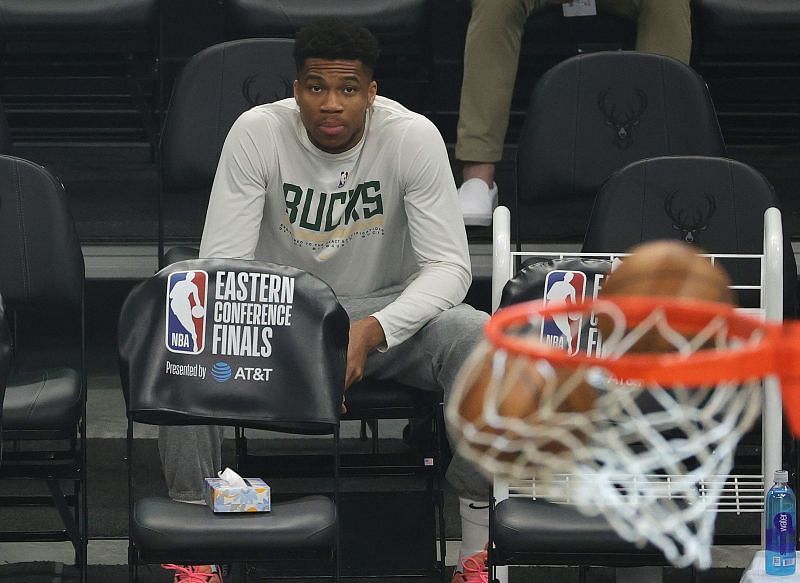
[357, 190]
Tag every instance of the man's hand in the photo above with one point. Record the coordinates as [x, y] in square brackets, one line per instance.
[365, 336]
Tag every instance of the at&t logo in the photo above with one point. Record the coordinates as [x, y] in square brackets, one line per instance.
[222, 373]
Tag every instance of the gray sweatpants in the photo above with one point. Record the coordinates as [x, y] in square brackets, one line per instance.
[429, 360]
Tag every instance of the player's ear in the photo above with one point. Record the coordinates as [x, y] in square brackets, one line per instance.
[372, 91]
[295, 86]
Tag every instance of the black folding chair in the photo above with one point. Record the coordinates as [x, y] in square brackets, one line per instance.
[44, 409]
[279, 364]
[216, 86]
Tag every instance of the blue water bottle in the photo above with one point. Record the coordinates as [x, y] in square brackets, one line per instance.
[781, 527]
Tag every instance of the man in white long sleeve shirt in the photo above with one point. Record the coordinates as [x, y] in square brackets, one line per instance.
[357, 190]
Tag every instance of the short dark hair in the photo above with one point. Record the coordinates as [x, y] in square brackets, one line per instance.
[336, 39]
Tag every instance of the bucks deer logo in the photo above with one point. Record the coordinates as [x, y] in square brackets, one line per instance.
[622, 117]
[690, 220]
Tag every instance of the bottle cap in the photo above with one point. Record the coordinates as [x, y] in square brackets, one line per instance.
[781, 475]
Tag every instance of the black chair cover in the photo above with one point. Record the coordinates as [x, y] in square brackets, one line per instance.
[590, 116]
[532, 280]
[270, 350]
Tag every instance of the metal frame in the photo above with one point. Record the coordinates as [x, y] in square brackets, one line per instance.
[744, 493]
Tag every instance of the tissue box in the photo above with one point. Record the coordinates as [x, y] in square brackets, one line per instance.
[222, 497]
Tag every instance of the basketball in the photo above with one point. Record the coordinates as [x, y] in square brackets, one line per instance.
[665, 268]
[669, 268]
[198, 311]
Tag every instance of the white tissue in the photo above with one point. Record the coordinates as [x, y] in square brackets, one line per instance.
[232, 479]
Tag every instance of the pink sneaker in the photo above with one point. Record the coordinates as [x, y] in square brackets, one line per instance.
[475, 570]
[195, 573]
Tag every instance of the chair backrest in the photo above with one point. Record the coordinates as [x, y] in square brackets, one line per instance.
[213, 341]
[95, 16]
[590, 116]
[386, 19]
[714, 203]
[5, 360]
[40, 255]
[216, 86]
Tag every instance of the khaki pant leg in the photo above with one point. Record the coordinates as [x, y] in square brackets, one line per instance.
[491, 57]
[663, 26]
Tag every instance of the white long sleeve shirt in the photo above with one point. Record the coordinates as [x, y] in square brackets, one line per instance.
[383, 215]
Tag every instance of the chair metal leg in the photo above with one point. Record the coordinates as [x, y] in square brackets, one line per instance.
[131, 564]
[582, 571]
[70, 524]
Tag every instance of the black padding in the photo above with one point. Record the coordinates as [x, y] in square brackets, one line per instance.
[216, 86]
[751, 28]
[715, 203]
[5, 355]
[40, 255]
[527, 525]
[290, 374]
[381, 397]
[590, 116]
[48, 399]
[275, 18]
[180, 253]
[101, 15]
[192, 531]
[530, 281]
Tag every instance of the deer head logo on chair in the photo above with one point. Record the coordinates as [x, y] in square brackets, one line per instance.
[622, 119]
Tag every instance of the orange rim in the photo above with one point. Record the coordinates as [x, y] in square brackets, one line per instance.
[703, 367]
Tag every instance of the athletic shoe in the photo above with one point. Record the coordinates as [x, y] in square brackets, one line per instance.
[195, 573]
[477, 201]
[474, 570]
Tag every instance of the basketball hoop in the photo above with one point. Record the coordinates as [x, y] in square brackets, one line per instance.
[643, 424]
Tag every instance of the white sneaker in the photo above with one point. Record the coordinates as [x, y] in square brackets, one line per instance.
[477, 201]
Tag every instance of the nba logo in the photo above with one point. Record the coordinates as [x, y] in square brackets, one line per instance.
[186, 311]
[563, 330]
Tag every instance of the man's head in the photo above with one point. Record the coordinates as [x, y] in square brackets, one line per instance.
[335, 60]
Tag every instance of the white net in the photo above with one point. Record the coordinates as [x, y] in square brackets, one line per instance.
[645, 456]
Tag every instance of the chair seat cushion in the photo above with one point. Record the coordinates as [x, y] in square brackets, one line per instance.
[193, 532]
[527, 525]
[385, 396]
[752, 27]
[384, 18]
[102, 15]
[48, 399]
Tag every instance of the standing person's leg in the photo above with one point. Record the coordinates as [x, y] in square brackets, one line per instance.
[431, 360]
[491, 56]
[664, 27]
